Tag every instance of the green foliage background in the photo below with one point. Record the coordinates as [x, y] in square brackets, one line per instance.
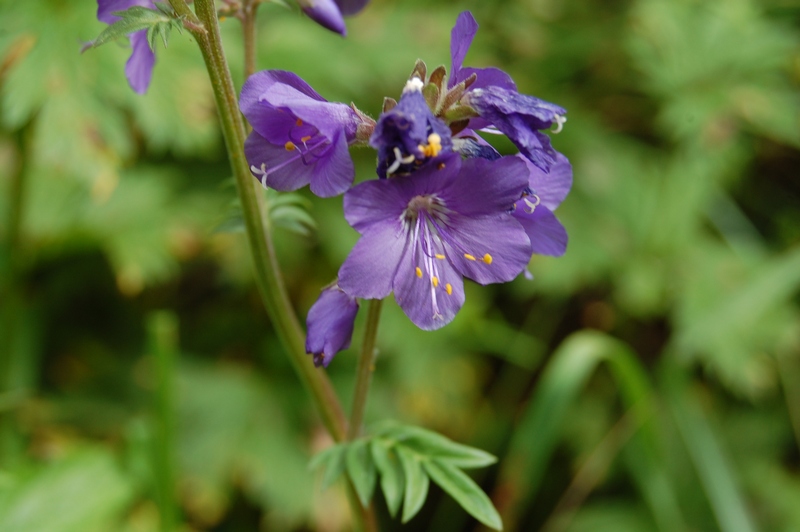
[649, 379]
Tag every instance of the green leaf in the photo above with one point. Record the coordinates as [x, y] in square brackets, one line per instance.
[465, 491]
[430, 444]
[563, 379]
[391, 471]
[361, 470]
[132, 20]
[715, 471]
[416, 483]
[332, 459]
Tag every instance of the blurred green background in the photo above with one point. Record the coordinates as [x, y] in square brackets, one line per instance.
[647, 380]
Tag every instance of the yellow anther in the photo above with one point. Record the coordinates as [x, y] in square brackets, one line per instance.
[487, 259]
[419, 272]
[468, 256]
[439, 256]
[306, 138]
[435, 281]
[289, 146]
[448, 288]
[433, 147]
[222, 19]
[299, 122]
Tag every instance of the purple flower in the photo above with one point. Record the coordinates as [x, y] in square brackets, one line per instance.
[409, 136]
[139, 68]
[422, 233]
[298, 137]
[328, 13]
[535, 208]
[520, 117]
[330, 325]
[494, 97]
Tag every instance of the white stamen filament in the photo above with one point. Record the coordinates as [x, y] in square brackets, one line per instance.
[559, 120]
[531, 204]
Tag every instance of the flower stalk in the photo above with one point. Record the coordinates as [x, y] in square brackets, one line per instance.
[365, 369]
[267, 273]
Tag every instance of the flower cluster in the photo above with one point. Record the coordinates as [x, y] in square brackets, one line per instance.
[446, 205]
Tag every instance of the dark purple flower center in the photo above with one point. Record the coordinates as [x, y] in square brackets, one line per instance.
[426, 224]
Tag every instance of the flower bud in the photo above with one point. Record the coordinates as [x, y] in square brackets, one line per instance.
[330, 325]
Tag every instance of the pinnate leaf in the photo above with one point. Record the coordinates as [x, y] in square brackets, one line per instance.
[417, 483]
[391, 471]
[431, 444]
[361, 470]
[465, 491]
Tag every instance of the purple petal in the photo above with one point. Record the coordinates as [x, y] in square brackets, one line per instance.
[488, 77]
[547, 235]
[500, 237]
[487, 187]
[369, 269]
[105, 8]
[330, 325]
[376, 201]
[327, 117]
[325, 13]
[333, 172]
[139, 68]
[460, 40]
[429, 307]
[551, 187]
[260, 82]
[286, 169]
[351, 7]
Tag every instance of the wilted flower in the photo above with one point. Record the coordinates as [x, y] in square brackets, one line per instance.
[330, 325]
[139, 68]
[328, 13]
[298, 137]
[494, 97]
[521, 118]
[409, 135]
[421, 233]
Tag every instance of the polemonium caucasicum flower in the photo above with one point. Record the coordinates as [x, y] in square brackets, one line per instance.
[534, 210]
[139, 68]
[409, 135]
[328, 13]
[298, 137]
[330, 325]
[422, 233]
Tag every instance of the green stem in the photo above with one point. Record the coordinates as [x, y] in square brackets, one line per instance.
[249, 37]
[267, 273]
[364, 371]
[363, 378]
[163, 332]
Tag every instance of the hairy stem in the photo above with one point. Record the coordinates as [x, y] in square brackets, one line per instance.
[249, 37]
[267, 273]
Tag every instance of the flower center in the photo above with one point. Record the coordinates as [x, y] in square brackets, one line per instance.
[303, 139]
[426, 221]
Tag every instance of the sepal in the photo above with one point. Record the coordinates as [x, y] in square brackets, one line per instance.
[157, 22]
